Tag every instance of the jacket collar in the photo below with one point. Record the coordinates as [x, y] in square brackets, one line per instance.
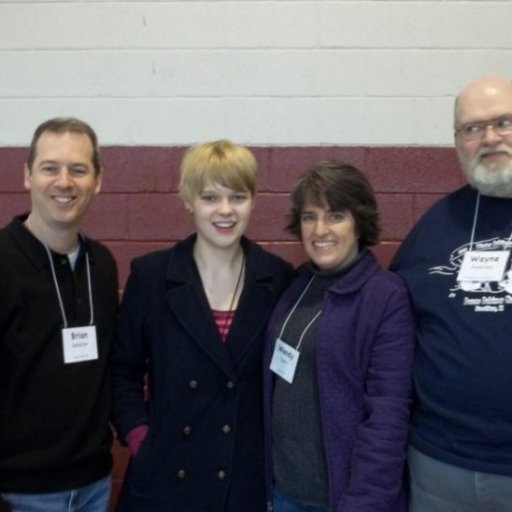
[186, 299]
[357, 276]
[32, 247]
[182, 267]
[348, 283]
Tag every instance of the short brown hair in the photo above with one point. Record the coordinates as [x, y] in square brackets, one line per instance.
[220, 161]
[341, 187]
[65, 125]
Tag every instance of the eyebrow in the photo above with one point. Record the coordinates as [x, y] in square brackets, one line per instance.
[71, 164]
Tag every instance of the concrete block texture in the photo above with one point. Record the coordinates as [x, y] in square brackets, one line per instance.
[139, 209]
[279, 72]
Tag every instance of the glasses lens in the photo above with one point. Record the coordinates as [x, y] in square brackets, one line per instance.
[503, 126]
[472, 131]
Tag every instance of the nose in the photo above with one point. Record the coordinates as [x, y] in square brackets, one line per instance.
[491, 136]
[225, 207]
[320, 228]
[63, 178]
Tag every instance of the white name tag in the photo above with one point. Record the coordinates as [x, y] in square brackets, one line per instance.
[483, 266]
[284, 360]
[79, 344]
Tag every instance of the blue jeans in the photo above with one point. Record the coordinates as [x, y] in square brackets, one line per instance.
[282, 503]
[94, 497]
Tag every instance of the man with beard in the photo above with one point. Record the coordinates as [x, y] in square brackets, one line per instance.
[456, 263]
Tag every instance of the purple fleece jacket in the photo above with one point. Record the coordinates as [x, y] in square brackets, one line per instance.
[364, 357]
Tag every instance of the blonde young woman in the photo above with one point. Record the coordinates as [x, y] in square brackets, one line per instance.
[192, 323]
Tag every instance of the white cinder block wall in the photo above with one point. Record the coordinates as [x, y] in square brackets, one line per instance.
[261, 72]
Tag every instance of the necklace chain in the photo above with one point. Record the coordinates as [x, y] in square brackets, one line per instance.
[238, 281]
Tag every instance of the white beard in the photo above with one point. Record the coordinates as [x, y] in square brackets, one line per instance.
[489, 180]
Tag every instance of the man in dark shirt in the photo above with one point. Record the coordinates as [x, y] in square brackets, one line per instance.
[58, 303]
[456, 263]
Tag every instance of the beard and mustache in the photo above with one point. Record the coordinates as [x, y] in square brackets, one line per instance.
[489, 178]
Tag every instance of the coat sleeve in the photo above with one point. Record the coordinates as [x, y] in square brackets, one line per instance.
[379, 450]
[129, 356]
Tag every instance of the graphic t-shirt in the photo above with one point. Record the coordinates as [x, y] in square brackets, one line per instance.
[463, 363]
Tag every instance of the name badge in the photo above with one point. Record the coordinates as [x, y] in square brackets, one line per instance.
[79, 344]
[483, 266]
[284, 360]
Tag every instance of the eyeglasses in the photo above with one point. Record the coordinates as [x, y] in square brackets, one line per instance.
[476, 131]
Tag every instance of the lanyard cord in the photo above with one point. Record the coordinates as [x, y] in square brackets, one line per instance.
[306, 329]
[89, 287]
[293, 311]
[475, 218]
[57, 289]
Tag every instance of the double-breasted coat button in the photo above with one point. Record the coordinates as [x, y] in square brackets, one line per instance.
[221, 474]
[226, 429]
[187, 431]
[230, 384]
[193, 384]
[181, 474]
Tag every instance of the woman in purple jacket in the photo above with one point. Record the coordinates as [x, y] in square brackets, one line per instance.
[338, 359]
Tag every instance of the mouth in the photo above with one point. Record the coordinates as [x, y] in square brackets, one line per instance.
[322, 245]
[496, 154]
[224, 224]
[64, 200]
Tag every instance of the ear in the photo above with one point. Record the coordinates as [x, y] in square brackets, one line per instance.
[188, 207]
[99, 180]
[26, 177]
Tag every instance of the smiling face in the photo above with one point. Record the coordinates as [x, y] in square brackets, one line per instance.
[62, 182]
[221, 215]
[487, 161]
[329, 238]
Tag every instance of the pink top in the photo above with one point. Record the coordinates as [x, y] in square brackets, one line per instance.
[223, 319]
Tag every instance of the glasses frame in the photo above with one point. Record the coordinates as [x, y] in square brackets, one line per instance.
[466, 133]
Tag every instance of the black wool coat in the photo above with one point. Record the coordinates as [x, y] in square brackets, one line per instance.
[204, 450]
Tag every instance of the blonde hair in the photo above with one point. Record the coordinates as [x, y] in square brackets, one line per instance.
[222, 162]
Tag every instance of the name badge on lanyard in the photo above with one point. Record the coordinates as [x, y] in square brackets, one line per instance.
[80, 344]
[483, 266]
[284, 360]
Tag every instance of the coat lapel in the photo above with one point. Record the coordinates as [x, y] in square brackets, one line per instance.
[250, 318]
[188, 304]
[261, 291]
